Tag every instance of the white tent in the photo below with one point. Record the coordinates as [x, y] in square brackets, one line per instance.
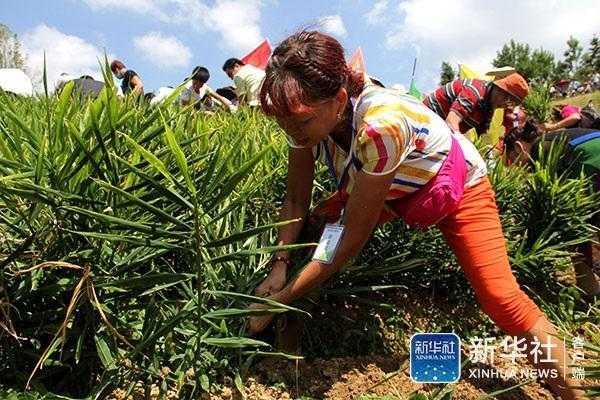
[15, 81]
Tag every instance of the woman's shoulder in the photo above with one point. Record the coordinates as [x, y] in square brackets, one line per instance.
[376, 103]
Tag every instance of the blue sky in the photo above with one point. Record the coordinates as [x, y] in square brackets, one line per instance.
[163, 39]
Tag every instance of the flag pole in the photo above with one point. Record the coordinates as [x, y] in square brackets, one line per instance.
[414, 68]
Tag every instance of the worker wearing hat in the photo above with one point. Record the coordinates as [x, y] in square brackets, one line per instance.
[470, 103]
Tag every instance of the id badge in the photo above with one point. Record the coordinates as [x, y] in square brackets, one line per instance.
[330, 240]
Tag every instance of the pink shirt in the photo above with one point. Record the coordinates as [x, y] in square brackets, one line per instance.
[569, 110]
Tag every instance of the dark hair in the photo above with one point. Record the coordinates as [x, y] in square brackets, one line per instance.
[376, 82]
[116, 65]
[228, 92]
[200, 74]
[530, 133]
[306, 67]
[232, 62]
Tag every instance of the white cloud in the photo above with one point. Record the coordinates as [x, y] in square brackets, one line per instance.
[236, 21]
[64, 53]
[334, 25]
[163, 51]
[151, 7]
[376, 14]
[471, 31]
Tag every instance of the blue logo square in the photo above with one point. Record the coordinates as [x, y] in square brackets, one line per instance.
[435, 357]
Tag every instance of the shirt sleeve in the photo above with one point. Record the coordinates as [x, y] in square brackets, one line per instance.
[185, 95]
[465, 101]
[382, 142]
[567, 111]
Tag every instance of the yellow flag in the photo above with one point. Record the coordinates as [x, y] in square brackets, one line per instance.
[495, 130]
[464, 72]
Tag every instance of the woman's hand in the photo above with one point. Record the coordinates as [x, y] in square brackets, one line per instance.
[275, 281]
[258, 323]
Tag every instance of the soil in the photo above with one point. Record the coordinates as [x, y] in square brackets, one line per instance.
[350, 378]
[369, 376]
[343, 365]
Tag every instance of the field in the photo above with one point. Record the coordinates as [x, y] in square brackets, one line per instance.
[583, 100]
[132, 239]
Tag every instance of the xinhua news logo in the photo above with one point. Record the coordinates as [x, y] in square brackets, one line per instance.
[435, 357]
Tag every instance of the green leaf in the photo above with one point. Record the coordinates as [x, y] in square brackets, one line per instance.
[256, 299]
[155, 210]
[129, 239]
[236, 237]
[127, 224]
[179, 157]
[204, 382]
[236, 342]
[147, 281]
[104, 352]
[238, 312]
[262, 250]
[151, 158]
[239, 385]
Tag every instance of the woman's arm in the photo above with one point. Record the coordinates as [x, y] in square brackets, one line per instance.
[362, 213]
[568, 122]
[225, 102]
[361, 216]
[295, 205]
[453, 120]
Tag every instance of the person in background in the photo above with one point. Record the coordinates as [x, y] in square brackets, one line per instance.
[229, 93]
[247, 80]
[130, 80]
[62, 81]
[470, 103]
[390, 157]
[570, 116]
[566, 116]
[581, 155]
[197, 91]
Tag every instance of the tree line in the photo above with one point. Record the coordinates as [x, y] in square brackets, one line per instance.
[540, 66]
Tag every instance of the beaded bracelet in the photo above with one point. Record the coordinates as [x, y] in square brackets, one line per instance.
[284, 259]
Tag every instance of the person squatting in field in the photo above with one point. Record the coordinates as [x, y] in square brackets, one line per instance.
[581, 154]
[198, 91]
[130, 80]
[470, 103]
[391, 157]
[247, 80]
[570, 116]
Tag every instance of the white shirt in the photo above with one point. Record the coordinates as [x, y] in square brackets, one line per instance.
[189, 95]
[248, 81]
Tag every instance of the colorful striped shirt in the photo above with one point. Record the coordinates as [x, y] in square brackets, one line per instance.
[468, 98]
[394, 132]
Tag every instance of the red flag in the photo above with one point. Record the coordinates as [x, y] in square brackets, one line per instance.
[259, 57]
[357, 61]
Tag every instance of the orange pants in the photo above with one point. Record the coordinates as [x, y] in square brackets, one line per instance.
[474, 234]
